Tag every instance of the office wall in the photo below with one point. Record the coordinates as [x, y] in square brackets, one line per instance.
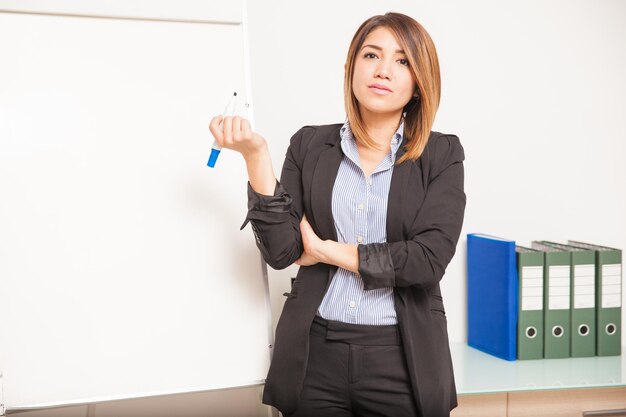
[535, 91]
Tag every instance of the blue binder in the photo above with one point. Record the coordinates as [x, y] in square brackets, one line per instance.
[492, 295]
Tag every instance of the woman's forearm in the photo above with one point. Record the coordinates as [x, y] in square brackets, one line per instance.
[260, 171]
[343, 255]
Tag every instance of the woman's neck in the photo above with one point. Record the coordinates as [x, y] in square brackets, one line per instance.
[381, 126]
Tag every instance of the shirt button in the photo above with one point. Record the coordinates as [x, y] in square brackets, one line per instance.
[352, 304]
[359, 239]
[361, 206]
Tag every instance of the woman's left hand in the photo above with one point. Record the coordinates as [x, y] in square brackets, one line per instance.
[312, 245]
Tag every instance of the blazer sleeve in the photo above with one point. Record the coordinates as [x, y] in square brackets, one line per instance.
[422, 260]
[276, 219]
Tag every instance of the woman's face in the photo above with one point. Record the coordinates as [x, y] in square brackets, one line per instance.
[382, 81]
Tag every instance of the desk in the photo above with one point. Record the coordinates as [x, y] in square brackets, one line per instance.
[489, 386]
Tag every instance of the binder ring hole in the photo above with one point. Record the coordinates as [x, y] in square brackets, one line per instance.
[610, 329]
[583, 330]
[557, 331]
[531, 332]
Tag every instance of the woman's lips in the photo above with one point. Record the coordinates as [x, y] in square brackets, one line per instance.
[378, 90]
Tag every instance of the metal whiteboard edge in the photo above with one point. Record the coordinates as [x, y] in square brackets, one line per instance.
[250, 114]
[88, 401]
[2, 411]
[271, 411]
[184, 10]
[119, 17]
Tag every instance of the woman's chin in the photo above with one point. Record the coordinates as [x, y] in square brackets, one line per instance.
[378, 109]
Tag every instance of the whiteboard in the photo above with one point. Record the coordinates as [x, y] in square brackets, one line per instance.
[123, 272]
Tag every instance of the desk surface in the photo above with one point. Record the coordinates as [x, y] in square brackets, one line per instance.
[477, 372]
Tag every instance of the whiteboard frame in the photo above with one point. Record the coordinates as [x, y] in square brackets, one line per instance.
[184, 11]
[187, 11]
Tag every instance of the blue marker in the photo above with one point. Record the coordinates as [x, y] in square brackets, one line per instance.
[216, 148]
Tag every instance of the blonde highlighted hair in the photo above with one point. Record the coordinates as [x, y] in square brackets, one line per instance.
[424, 65]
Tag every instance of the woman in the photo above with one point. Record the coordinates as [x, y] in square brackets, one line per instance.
[371, 210]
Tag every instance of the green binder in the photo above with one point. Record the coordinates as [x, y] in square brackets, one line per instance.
[608, 298]
[530, 305]
[582, 299]
[556, 301]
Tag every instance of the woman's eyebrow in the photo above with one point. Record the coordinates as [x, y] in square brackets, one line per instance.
[399, 51]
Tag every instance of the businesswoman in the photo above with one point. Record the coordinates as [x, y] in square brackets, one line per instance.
[371, 210]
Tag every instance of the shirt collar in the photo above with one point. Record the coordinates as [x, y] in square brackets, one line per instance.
[346, 135]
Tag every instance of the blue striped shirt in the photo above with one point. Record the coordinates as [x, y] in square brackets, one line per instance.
[359, 207]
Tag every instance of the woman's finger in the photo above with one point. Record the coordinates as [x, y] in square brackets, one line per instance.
[227, 129]
[303, 228]
[236, 129]
[306, 260]
[216, 130]
[246, 130]
[306, 226]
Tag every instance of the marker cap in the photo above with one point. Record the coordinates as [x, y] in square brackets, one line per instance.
[213, 158]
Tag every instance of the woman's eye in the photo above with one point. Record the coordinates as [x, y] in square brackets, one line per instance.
[370, 55]
[403, 62]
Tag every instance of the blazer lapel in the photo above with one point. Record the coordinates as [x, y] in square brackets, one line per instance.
[397, 196]
[323, 181]
[322, 186]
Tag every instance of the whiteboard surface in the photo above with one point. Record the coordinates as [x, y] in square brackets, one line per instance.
[123, 272]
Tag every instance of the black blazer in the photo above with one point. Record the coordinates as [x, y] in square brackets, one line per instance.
[424, 218]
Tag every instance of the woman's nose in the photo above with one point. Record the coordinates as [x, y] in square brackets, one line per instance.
[383, 69]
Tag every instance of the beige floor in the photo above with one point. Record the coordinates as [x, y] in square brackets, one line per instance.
[240, 402]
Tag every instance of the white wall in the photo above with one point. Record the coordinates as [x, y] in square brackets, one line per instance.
[535, 91]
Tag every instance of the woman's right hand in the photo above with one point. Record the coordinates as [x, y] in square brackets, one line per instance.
[236, 134]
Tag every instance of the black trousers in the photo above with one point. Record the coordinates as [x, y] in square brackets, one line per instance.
[355, 370]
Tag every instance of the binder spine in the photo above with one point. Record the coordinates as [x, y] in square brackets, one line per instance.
[492, 275]
[610, 304]
[557, 322]
[530, 318]
[583, 309]
[557, 297]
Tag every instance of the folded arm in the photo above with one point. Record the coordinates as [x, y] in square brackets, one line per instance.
[422, 260]
[419, 261]
[275, 217]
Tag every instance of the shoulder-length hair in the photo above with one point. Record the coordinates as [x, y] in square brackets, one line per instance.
[424, 65]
